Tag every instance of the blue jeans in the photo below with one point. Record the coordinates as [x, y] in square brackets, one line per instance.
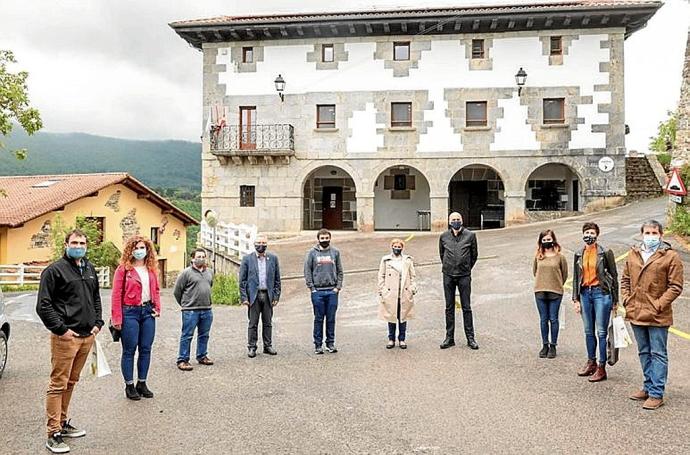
[138, 331]
[652, 347]
[200, 320]
[402, 329]
[548, 318]
[325, 305]
[596, 313]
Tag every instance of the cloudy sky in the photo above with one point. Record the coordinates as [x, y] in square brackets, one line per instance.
[115, 68]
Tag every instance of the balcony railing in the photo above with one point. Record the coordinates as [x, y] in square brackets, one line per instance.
[256, 140]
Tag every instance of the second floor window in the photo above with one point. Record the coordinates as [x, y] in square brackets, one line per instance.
[325, 116]
[327, 53]
[246, 196]
[476, 113]
[554, 111]
[477, 48]
[401, 50]
[556, 45]
[401, 114]
[155, 236]
[247, 55]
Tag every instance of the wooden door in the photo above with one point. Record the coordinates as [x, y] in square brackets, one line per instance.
[332, 208]
[468, 198]
[248, 128]
[162, 273]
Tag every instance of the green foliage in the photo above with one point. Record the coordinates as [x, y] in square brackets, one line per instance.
[14, 102]
[680, 223]
[18, 287]
[665, 140]
[101, 254]
[167, 164]
[225, 291]
[189, 201]
[664, 159]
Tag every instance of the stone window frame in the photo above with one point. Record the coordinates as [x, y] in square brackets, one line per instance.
[316, 55]
[323, 52]
[401, 68]
[399, 123]
[566, 43]
[553, 121]
[237, 58]
[476, 123]
[247, 196]
[479, 64]
[402, 44]
[558, 48]
[481, 54]
[247, 51]
[323, 125]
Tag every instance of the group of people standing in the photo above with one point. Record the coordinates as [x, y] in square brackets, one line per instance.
[69, 304]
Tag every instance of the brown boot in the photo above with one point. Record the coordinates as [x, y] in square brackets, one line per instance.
[588, 369]
[599, 375]
[639, 395]
[653, 403]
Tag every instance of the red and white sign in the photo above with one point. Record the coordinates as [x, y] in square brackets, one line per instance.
[675, 184]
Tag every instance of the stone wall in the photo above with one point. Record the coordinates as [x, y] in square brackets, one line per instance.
[640, 180]
[683, 135]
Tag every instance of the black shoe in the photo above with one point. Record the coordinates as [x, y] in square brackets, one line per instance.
[544, 351]
[448, 342]
[70, 431]
[318, 350]
[56, 444]
[552, 351]
[252, 353]
[270, 351]
[472, 344]
[131, 392]
[331, 348]
[143, 390]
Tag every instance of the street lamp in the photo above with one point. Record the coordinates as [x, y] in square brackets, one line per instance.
[280, 86]
[211, 218]
[520, 79]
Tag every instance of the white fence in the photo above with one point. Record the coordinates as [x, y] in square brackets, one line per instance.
[24, 275]
[230, 239]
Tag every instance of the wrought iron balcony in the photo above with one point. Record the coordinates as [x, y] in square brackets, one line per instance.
[267, 141]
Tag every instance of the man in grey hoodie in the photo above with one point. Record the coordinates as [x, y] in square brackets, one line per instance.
[323, 273]
[193, 293]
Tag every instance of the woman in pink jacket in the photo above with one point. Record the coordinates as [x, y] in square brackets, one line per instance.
[136, 303]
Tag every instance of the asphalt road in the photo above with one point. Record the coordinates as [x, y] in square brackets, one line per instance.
[366, 399]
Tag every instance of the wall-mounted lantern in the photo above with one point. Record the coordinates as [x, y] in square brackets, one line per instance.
[280, 87]
[520, 79]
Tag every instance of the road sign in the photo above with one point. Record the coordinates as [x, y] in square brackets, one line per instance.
[676, 199]
[606, 164]
[675, 184]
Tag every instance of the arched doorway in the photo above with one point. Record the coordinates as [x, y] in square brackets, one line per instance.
[553, 187]
[401, 200]
[477, 193]
[329, 200]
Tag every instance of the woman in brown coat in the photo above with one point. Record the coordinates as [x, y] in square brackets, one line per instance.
[397, 287]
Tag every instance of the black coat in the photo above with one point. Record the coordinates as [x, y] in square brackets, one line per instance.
[69, 298]
[607, 274]
[458, 253]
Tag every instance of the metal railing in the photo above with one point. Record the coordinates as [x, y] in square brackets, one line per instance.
[254, 140]
[22, 275]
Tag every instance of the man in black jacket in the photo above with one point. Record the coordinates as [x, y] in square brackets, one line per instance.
[458, 250]
[69, 304]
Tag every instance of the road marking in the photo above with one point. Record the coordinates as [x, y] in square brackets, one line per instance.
[410, 237]
[17, 298]
[569, 285]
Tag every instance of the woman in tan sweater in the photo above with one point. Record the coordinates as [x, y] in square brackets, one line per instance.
[550, 271]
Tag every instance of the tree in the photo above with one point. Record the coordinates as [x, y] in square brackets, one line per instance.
[665, 139]
[14, 102]
[99, 252]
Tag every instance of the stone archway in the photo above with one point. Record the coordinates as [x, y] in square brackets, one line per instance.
[401, 199]
[477, 192]
[552, 187]
[329, 199]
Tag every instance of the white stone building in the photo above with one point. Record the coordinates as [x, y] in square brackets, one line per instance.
[389, 120]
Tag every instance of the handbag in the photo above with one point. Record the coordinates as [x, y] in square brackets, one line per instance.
[117, 333]
[611, 349]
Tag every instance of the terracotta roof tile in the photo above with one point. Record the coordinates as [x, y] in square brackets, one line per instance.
[469, 9]
[30, 196]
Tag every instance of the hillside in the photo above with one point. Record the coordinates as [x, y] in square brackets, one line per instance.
[160, 164]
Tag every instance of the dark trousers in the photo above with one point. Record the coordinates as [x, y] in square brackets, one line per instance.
[402, 327]
[325, 305]
[260, 307]
[464, 286]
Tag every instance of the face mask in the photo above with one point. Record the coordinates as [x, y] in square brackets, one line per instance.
[324, 243]
[456, 225]
[397, 251]
[260, 248]
[589, 239]
[199, 262]
[75, 252]
[547, 245]
[651, 241]
[139, 254]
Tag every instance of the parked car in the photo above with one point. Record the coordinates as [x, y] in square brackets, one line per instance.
[4, 334]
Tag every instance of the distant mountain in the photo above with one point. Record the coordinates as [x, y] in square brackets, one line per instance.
[160, 164]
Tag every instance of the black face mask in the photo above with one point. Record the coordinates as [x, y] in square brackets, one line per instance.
[260, 248]
[397, 251]
[589, 239]
[547, 245]
[324, 243]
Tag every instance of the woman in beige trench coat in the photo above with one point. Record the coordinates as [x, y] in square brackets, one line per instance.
[397, 287]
